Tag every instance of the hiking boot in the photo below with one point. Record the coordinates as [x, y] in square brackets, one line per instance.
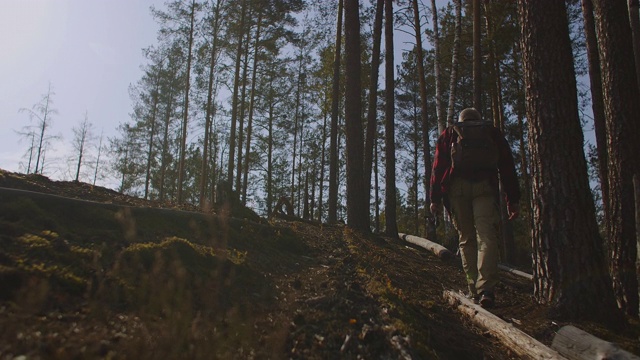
[487, 300]
[473, 297]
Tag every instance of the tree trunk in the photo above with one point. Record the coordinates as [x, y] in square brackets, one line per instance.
[256, 49]
[520, 113]
[575, 343]
[437, 249]
[323, 164]
[44, 124]
[454, 62]
[391, 224]
[84, 132]
[597, 102]
[372, 112]
[296, 123]
[95, 173]
[436, 63]
[301, 137]
[569, 266]
[620, 94]
[429, 220]
[515, 339]
[270, 157]
[415, 176]
[209, 109]
[151, 137]
[377, 188]
[165, 145]
[241, 114]
[634, 19]
[477, 57]
[234, 101]
[335, 106]
[508, 241]
[185, 116]
[357, 218]
[305, 205]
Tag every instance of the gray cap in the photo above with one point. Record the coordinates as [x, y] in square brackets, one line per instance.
[469, 114]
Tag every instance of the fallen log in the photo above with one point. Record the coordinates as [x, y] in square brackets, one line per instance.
[514, 338]
[578, 345]
[515, 272]
[441, 251]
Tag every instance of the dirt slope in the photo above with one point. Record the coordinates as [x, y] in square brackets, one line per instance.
[84, 280]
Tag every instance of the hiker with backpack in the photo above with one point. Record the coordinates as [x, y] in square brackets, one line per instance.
[470, 157]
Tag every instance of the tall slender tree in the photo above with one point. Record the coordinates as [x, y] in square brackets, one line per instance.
[436, 68]
[97, 166]
[391, 224]
[453, 79]
[234, 99]
[82, 139]
[335, 108]
[42, 113]
[429, 221]
[243, 103]
[252, 98]
[357, 217]
[621, 106]
[597, 102]
[569, 266]
[477, 55]
[372, 111]
[185, 115]
[213, 56]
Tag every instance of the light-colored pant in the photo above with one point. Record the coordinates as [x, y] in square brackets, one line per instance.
[476, 216]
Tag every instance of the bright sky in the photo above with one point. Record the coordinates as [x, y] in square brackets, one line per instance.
[89, 50]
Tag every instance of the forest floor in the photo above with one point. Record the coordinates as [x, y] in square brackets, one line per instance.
[91, 273]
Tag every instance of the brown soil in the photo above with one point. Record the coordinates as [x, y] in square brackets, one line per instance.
[282, 289]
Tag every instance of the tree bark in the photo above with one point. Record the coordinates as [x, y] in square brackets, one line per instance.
[241, 114]
[454, 62]
[204, 169]
[437, 249]
[296, 123]
[165, 144]
[515, 339]
[634, 19]
[256, 49]
[578, 344]
[569, 266]
[270, 153]
[597, 102]
[152, 132]
[185, 115]
[234, 100]
[391, 224]
[372, 112]
[332, 217]
[429, 220]
[508, 241]
[323, 163]
[621, 105]
[477, 56]
[436, 64]
[356, 199]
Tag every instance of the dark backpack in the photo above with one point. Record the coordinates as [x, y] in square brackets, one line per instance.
[475, 148]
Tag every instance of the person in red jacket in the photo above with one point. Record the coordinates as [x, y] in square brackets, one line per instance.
[470, 194]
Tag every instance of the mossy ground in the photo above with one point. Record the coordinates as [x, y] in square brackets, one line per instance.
[100, 280]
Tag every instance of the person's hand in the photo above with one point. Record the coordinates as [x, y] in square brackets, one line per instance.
[435, 208]
[513, 210]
